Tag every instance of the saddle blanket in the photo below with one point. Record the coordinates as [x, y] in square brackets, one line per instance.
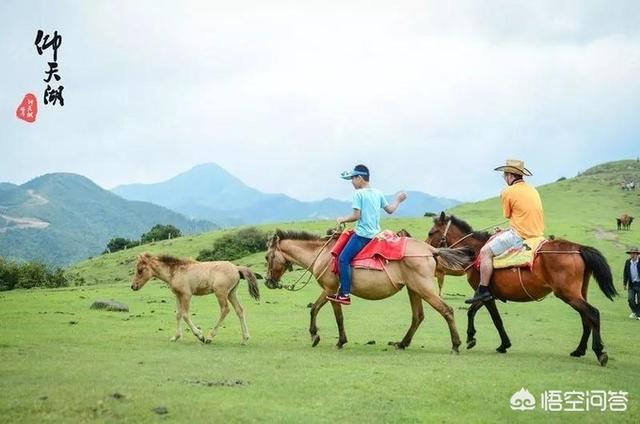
[386, 246]
[522, 257]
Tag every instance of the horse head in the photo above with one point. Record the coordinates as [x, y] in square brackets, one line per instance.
[277, 264]
[143, 272]
[439, 232]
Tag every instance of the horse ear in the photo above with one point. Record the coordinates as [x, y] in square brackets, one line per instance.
[443, 217]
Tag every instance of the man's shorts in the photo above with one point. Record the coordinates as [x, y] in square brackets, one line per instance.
[504, 241]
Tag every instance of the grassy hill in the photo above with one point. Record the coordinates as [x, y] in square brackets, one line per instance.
[123, 365]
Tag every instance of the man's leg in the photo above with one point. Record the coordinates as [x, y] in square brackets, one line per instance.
[482, 293]
[496, 246]
[634, 298]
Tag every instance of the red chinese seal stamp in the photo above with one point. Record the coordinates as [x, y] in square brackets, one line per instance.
[28, 109]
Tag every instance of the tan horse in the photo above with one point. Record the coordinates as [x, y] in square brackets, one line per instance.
[440, 272]
[415, 271]
[186, 278]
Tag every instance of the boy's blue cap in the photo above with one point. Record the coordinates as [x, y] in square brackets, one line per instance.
[347, 175]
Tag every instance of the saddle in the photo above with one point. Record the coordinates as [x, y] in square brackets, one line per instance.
[520, 257]
[384, 247]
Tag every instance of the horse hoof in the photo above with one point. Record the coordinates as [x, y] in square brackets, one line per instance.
[603, 358]
[577, 353]
[455, 351]
[315, 339]
[400, 345]
[174, 339]
[208, 341]
[502, 349]
[471, 343]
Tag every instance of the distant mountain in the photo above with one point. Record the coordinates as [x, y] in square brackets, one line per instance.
[209, 192]
[61, 218]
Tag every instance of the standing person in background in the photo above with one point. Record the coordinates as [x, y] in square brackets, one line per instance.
[631, 281]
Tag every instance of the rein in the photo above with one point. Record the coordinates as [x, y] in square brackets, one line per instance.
[293, 287]
[443, 241]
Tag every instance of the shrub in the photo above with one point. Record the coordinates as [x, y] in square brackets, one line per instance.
[30, 274]
[235, 245]
[430, 214]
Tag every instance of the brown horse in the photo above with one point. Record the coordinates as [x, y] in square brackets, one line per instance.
[415, 271]
[186, 278]
[561, 267]
[624, 222]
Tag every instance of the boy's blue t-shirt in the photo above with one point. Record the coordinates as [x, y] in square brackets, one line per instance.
[369, 201]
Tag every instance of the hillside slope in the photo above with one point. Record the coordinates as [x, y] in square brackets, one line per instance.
[62, 218]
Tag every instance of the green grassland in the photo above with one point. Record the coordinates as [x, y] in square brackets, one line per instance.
[62, 362]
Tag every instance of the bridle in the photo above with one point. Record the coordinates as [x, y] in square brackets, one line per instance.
[288, 266]
[443, 239]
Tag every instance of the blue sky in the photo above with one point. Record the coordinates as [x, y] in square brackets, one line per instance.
[432, 95]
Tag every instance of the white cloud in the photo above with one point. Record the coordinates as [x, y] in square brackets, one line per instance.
[431, 95]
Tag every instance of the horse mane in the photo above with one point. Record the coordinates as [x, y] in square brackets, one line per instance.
[466, 228]
[296, 235]
[173, 262]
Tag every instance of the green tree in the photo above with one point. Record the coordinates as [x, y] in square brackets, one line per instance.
[119, 243]
[235, 245]
[161, 232]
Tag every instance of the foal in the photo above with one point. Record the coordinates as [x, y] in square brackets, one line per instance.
[186, 278]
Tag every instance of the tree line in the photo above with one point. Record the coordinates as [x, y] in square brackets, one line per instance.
[156, 233]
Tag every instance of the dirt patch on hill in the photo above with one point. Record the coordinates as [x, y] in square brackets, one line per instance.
[16, 223]
[608, 235]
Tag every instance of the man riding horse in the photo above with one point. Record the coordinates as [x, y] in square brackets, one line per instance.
[521, 204]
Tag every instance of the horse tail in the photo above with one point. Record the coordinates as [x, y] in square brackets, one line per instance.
[456, 259]
[598, 266]
[252, 280]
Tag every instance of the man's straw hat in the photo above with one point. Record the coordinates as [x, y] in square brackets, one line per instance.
[514, 166]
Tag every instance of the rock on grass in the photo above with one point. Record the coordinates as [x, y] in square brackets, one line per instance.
[110, 305]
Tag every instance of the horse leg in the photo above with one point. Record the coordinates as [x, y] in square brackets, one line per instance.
[586, 326]
[505, 343]
[224, 310]
[240, 313]
[591, 315]
[471, 329]
[313, 328]
[178, 334]
[417, 316]
[596, 342]
[184, 302]
[440, 277]
[342, 337]
[426, 290]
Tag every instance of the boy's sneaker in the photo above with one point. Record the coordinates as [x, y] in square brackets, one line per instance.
[339, 298]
